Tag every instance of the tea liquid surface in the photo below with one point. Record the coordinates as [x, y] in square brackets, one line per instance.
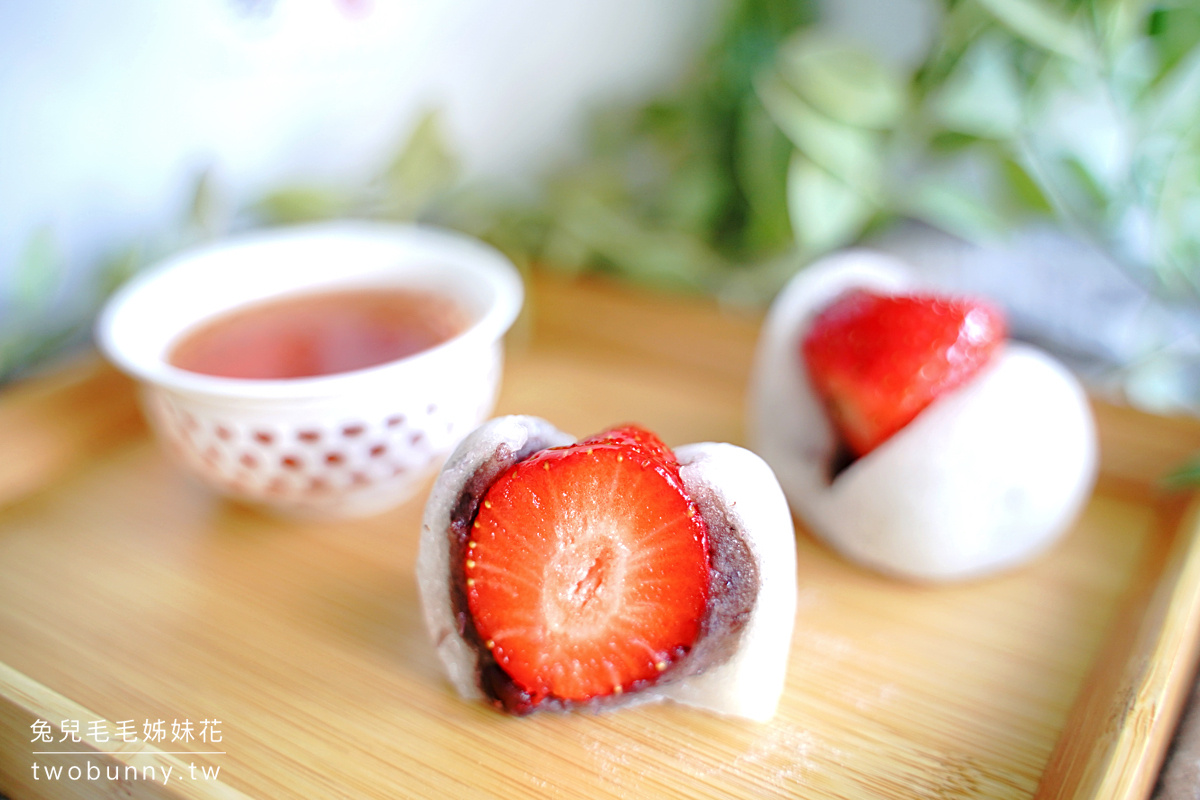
[321, 333]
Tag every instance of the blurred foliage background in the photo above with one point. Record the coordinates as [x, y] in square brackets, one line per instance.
[789, 142]
[786, 142]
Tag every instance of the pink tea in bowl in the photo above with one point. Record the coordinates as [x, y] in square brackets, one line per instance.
[319, 370]
[318, 333]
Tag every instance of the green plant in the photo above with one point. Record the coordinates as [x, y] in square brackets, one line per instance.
[1085, 112]
[788, 142]
[686, 192]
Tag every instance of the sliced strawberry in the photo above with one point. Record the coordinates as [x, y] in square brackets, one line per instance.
[633, 436]
[877, 361]
[587, 569]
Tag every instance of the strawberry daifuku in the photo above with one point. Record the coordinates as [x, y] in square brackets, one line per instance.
[557, 574]
[907, 432]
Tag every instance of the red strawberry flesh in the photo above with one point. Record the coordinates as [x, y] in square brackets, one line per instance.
[587, 568]
[877, 361]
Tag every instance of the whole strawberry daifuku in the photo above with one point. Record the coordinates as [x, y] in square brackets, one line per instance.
[559, 574]
[907, 432]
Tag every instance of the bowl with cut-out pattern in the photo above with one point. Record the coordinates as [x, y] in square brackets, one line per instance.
[349, 443]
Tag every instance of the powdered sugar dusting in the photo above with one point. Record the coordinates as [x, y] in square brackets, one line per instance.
[781, 758]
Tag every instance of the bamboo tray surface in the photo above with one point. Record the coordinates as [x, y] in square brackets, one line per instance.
[129, 593]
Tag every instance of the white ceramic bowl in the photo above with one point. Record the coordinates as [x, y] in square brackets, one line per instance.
[348, 444]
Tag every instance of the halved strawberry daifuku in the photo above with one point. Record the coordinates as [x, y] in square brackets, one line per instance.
[557, 574]
[587, 567]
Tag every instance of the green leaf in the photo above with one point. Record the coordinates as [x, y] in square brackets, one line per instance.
[946, 142]
[951, 208]
[761, 165]
[692, 199]
[205, 212]
[749, 40]
[1185, 476]
[21, 350]
[1174, 32]
[1178, 219]
[117, 269]
[843, 81]
[826, 213]
[1172, 105]
[289, 205]
[624, 244]
[564, 251]
[1074, 120]
[1040, 25]
[1025, 191]
[854, 155]
[422, 169]
[1082, 195]
[39, 270]
[982, 95]
[1120, 24]
[962, 24]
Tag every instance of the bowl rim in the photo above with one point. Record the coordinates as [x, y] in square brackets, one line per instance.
[481, 260]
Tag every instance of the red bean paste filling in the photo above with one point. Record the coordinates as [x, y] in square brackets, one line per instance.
[733, 582]
[840, 461]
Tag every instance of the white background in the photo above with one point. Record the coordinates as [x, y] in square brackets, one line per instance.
[109, 111]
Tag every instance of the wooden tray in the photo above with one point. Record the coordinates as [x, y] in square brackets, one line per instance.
[130, 594]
